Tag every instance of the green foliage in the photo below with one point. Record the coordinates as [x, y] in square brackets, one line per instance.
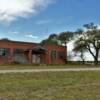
[89, 40]
[5, 39]
[15, 62]
[79, 31]
[61, 38]
[52, 39]
[65, 37]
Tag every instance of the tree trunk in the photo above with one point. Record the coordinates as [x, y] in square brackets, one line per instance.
[82, 57]
[83, 61]
[96, 61]
[96, 57]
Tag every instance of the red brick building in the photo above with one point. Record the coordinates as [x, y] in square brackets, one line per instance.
[28, 53]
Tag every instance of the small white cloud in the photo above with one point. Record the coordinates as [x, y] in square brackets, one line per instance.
[31, 36]
[13, 32]
[10, 10]
[40, 22]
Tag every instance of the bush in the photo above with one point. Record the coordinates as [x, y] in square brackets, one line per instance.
[15, 62]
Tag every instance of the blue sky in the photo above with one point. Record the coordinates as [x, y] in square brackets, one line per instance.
[35, 20]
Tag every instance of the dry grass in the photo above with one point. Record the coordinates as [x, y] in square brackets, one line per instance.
[41, 66]
[50, 86]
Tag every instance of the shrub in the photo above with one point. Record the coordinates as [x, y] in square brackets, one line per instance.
[15, 62]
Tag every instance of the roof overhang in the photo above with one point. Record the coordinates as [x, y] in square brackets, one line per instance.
[39, 50]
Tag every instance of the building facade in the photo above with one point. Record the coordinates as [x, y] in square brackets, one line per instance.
[28, 53]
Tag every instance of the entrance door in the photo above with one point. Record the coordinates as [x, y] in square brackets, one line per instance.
[36, 59]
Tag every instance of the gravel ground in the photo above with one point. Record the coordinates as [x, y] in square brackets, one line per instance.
[48, 70]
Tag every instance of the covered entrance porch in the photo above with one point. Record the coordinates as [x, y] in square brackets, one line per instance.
[38, 55]
[29, 56]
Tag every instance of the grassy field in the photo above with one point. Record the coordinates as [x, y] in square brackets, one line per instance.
[32, 66]
[50, 86]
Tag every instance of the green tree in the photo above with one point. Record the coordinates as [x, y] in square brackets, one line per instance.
[79, 49]
[52, 39]
[65, 37]
[5, 39]
[90, 40]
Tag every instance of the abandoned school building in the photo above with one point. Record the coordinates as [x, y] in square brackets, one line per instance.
[28, 53]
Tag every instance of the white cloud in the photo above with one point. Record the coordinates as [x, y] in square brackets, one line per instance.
[10, 10]
[13, 32]
[40, 22]
[31, 36]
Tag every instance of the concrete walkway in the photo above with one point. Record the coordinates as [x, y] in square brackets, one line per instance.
[48, 70]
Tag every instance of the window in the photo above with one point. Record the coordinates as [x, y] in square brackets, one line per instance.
[53, 55]
[3, 52]
[18, 51]
[61, 55]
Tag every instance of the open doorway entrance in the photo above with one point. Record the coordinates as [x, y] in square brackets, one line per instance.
[36, 59]
[37, 55]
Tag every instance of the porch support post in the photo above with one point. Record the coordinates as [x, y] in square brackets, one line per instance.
[30, 56]
[11, 58]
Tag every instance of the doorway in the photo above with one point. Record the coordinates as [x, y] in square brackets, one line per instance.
[36, 59]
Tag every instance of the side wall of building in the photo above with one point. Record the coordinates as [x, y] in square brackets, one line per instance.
[54, 54]
[11, 46]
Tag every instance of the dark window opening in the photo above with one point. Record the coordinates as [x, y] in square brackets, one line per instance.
[61, 55]
[4, 51]
[18, 51]
[53, 55]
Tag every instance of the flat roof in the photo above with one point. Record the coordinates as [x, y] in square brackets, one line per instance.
[22, 42]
